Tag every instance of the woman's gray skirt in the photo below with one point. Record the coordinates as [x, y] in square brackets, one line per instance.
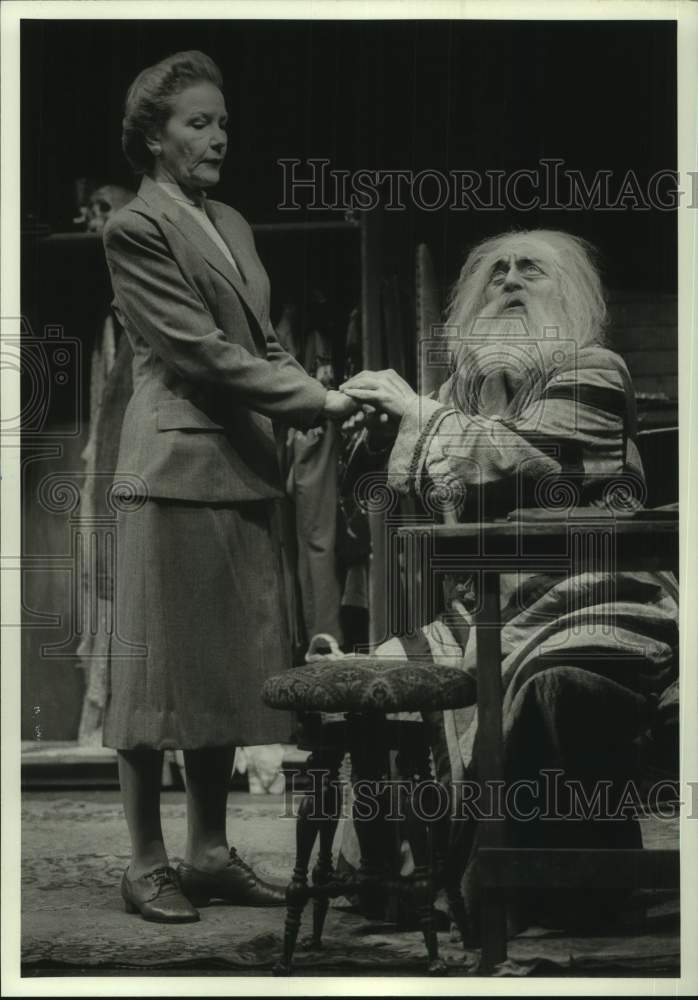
[200, 623]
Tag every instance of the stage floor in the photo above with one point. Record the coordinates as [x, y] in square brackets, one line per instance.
[75, 847]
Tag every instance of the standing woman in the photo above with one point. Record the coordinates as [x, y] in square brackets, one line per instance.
[200, 619]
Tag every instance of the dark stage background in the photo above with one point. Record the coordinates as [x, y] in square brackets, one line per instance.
[401, 95]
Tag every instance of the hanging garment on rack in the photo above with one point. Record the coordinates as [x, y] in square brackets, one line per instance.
[287, 330]
[101, 363]
[353, 535]
[315, 460]
[352, 345]
[319, 340]
[313, 464]
[111, 388]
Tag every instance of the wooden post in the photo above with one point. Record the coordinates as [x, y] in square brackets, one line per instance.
[373, 359]
[490, 760]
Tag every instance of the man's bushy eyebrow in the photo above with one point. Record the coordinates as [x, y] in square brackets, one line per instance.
[499, 264]
[503, 262]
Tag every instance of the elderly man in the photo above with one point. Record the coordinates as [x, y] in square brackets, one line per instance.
[538, 413]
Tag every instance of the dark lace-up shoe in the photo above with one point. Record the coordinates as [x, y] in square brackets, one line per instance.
[157, 896]
[236, 883]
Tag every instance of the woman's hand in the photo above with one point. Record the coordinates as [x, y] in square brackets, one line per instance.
[385, 390]
[339, 406]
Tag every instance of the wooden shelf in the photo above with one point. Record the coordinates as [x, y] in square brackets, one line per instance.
[321, 226]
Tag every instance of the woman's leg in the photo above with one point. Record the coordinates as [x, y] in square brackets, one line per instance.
[208, 779]
[211, 870]
[140, 775]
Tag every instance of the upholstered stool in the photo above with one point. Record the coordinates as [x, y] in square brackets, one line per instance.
[363, 689]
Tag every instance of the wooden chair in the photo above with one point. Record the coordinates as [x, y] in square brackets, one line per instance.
[487, 551]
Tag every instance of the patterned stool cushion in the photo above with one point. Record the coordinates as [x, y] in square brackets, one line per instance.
[369, 683]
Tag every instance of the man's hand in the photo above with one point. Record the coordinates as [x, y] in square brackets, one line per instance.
[385, 390]
[339, 406]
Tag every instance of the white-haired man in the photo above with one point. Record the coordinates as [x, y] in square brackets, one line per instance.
[533, 390]
[537, 411]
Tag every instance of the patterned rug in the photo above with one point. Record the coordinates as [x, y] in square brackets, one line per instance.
[75, 849]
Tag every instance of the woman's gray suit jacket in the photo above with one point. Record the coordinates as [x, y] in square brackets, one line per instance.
[209, 375]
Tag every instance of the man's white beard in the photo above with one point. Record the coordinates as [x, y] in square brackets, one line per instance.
[502, 355]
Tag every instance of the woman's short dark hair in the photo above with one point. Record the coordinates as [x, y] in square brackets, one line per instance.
[148, 101]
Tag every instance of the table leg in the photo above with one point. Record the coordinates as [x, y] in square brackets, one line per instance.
[490, 756]
[456, 859]
[421, 837]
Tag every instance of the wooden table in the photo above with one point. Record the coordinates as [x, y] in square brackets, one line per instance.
[579, 542]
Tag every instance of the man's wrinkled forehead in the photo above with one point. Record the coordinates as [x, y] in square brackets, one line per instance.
[517, 248]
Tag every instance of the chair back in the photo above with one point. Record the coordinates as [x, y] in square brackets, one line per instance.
[659, 451]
